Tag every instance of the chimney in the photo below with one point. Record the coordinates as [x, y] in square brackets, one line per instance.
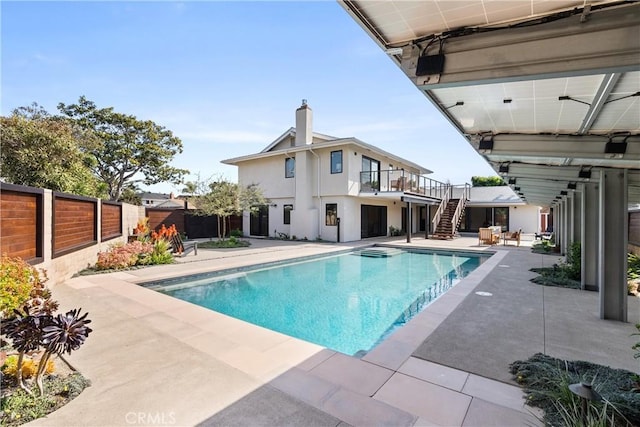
[304, 124]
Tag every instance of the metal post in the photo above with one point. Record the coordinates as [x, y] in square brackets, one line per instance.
[427, 222]
[338, 230]
[408, 222]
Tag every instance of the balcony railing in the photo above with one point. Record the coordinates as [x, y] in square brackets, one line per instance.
[399, 180]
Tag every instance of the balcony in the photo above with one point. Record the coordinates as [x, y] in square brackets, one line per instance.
[399, 180]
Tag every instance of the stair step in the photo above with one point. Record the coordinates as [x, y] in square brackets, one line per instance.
[379, 252]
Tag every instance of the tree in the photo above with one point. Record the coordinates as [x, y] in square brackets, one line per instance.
[126, 150]
[223, 199]
[486, 181]
[41, 150]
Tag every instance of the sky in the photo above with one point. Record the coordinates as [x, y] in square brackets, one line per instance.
[225, 77]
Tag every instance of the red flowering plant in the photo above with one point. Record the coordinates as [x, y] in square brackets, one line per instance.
[142, 229]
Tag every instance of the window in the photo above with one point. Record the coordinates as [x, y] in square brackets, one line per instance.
[336, 161]
[332, 214]
[369, 177]
[289, 167]
[287, 213]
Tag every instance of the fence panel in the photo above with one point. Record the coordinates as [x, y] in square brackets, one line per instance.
[21, 222]
[74, 223]
[159, 216]
[111, 220]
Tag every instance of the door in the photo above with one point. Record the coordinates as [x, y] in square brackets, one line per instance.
[373, 221]
[259, 222]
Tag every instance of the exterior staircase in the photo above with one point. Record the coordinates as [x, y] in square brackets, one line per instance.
[445, 230]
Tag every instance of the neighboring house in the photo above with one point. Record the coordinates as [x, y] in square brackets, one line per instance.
[499, 206]
[335, 189]
[153, 199]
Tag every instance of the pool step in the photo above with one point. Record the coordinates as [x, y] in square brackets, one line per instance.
[379, 252]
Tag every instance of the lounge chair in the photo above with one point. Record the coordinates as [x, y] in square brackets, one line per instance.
[486, 236]
[515, 236]
[181, 248]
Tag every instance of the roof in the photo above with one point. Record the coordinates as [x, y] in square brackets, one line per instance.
[154, 196]
[171, 203]
[540, 89]
[328, 143]
[291, 133]
[493, 196]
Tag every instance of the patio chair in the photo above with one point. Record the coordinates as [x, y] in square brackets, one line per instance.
[486, 236]
[181, 248]
[515, 236]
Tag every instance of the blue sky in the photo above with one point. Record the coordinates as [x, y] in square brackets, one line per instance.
[225, 77]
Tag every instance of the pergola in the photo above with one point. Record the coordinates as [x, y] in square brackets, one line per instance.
[548, 92]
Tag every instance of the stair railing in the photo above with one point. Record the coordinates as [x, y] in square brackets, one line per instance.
[462, 201]
[443, 205]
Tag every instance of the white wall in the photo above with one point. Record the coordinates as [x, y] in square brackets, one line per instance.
[525, 217]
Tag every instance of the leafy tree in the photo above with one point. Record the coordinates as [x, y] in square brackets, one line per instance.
[486, 181]
[41, 150]
[126, 150]
[223, 199]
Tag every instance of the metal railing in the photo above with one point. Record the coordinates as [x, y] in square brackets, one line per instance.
[464, 197]
[441, 207]
[399, 180]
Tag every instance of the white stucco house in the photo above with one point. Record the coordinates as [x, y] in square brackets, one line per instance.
[335, 189]
[343, 189]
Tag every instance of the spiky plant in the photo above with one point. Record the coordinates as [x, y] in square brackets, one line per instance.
[26, 334]
[65, 333]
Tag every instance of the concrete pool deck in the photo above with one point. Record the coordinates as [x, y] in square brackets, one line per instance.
[155, 360]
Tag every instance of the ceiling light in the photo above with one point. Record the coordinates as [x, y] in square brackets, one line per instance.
[512, 181]
[563, 193]
[572, 186]
[503, 169]
[615, 150]
[507, 101]
[486, 144]
[516, 188]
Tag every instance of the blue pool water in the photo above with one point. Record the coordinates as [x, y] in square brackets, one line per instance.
[345, 302]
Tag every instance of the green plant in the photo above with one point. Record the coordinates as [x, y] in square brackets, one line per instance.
[236, 233]
[545, 381]
[574, 263]
[160, 254]
[394, 231]
[633, 266]
[636, 346]
[21, 284]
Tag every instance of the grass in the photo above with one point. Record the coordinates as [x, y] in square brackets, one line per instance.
[17, 407]
[546, 382]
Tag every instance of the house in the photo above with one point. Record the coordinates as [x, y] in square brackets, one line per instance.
[335, 189]
[500, 206]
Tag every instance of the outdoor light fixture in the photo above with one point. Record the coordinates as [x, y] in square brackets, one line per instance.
[615, 150]
[457, 104]
[584, 173]
[504, 169]
[486, 144]
[516, 189]
[512, 181]
[563, 193]
[587, 394]
[572, 186]
[507, 101]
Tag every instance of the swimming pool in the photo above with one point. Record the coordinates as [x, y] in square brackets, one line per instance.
[346, 302]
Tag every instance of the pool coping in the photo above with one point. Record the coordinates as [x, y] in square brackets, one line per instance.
[253, 356]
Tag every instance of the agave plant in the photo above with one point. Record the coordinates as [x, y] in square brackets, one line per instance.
[26, 333]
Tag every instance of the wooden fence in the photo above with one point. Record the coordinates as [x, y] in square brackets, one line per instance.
[73, 222]
[194, 226]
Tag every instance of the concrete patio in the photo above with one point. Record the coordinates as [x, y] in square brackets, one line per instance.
[155, 360]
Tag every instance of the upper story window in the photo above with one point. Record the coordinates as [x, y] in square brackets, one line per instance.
[336, 161]
[289, 167]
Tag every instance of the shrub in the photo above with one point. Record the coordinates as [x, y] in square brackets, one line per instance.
[236, 233]
[21, 284]
[633, 266]
[160, 254]
[29, 366]
[574, 263]
[123, 255]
